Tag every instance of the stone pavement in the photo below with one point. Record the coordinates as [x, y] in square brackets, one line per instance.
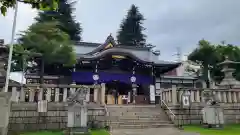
[150, 131]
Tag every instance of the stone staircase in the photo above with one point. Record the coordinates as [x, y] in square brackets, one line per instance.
[137, 116]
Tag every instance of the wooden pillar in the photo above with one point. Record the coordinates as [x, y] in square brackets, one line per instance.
[103, 90]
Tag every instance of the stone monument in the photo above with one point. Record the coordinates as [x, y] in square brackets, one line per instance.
[77, 112]
[228, 81]
[212, 112]
[5, 104]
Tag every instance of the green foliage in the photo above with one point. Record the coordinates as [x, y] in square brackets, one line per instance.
[209, 55]
[54, 45]
[39, 4]
[130, 32]
[64, 16]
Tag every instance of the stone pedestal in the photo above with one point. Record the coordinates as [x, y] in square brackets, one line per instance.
[77, 112]
[213, 116]
[5, 112]
[77, 119]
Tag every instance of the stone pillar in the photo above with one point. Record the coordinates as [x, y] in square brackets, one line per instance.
[174, 94]
[192, 96]
[169, 96]
[31, 95]
[103, 90]
[14, 96]
[224, 97]
[56, 94]
[238, 97]
[40, 94]
[5, 106]
[219, 96]
[88, 96]
[198, 96]
[229, 96]
[48, 96]
[95, 95]
[234, 97]
[65, 90]
[22, 95]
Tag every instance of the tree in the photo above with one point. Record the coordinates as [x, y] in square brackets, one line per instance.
[205, 55]
[39, 4]
[209, 54]
[130, 32]
[54, 45]
[64, 16]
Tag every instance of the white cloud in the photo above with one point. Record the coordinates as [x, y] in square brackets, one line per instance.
[170, 23]
[25, 18]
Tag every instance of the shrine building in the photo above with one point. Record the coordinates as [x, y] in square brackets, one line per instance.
[127, 75]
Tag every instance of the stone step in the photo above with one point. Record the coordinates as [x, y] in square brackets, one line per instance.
[137, 112]
[138, 122]
[136, 116]
[140, 126]
[132, 106]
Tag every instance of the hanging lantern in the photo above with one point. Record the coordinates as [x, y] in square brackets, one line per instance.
[133, 79]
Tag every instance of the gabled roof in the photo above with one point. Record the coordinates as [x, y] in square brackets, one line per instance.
[111, 48]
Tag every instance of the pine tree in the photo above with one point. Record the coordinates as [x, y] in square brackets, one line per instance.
[130, 32]
[64, 16]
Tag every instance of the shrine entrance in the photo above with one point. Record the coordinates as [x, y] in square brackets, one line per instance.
[122, 93]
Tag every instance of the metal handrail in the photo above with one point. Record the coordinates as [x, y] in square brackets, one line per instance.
[174, 116]
[168, 108]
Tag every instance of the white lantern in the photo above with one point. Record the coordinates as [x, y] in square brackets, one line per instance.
[95, 77]
[133, 79]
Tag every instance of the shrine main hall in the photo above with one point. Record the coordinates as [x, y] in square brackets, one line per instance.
[127, 75]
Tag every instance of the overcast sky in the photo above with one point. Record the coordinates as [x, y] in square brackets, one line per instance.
[169, 23]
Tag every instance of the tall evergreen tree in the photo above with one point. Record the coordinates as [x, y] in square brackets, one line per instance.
[130, 32]
[64, 16]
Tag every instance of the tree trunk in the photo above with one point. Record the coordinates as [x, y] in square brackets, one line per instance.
[42, 72]
[205, 74]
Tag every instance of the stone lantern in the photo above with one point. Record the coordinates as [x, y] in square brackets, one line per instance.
[228, 81]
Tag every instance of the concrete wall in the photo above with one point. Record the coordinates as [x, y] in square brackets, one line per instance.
[24, 117]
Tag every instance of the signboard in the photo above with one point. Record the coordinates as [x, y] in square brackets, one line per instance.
[42, 106]
[152, 94]
[185, 101]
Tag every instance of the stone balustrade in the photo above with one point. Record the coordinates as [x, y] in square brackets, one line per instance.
[173, 95]
[52, 93]
[229, 100]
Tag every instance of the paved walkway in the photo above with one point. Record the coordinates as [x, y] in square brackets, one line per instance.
[150, 131]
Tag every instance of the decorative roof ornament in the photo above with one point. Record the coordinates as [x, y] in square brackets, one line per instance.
[228, 81]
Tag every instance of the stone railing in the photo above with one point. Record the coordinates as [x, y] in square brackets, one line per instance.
[49, 92]
[25, 116]
[229, 100]
[173, 95]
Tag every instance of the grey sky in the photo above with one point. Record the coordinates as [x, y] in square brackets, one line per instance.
[169, 23]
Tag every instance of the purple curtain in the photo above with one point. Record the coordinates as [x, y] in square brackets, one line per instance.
[104, 77]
